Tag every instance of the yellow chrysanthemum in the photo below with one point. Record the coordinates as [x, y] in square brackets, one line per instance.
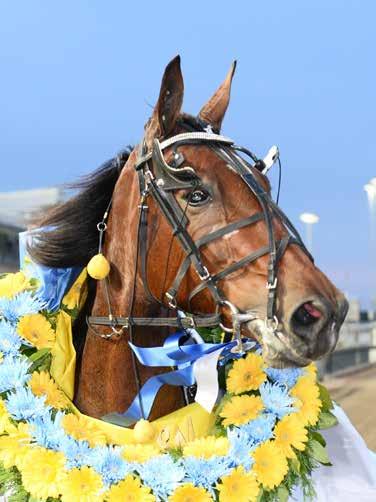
[42, 472]
[77, 293]
[11, 284]
[311, 370]
[80, 427]
[42, 385]
[206, 447]
[81, 484]
[15, 445]
[140, 452]
[290, 432]
[270, 464]
[129, 490]
[246, 374]
[190, 493]
[4, 418]
[307, 400]
[239, 486]
[241, 409]
[37, 330]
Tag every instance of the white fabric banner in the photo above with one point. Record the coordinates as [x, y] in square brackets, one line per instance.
[352, 478]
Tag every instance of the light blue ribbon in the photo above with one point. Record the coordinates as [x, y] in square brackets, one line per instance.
[172, 353]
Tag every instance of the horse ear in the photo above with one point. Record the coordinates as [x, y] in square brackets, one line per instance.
[169, 103]
[214, 110]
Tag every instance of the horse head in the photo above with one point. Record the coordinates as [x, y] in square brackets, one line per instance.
[297, 317]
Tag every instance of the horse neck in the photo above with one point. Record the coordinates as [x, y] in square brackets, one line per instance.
[107, 376]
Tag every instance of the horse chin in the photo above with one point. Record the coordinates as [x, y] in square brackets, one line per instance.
[277, 349]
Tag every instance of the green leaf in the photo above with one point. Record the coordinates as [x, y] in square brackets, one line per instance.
[283, 493]
[318, 452]
[327, 420]
[38, 355]
[295, 465]
[325, 398]
[318, 437]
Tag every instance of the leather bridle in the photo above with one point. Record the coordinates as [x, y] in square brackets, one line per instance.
[159, 180]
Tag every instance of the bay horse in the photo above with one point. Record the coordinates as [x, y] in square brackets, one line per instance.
[191, 225]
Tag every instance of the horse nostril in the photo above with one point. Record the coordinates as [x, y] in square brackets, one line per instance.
[306, 315]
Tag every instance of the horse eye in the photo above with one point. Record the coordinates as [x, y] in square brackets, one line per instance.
[198, 197]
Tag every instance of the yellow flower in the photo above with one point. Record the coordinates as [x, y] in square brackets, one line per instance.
[15, 445]
[80, 427]
[140, 452]
[190, 493]
[12, 284]
[73, 299]
[81, 484]
[241, 409]
[246, 374]
[129, 490]
[311, 370]
[239, 486]
[206, 447]
[290, 432]
[307, 400]
[270, 465]
[37, 330]
[4, 418]
[41, 472]
[42, 385]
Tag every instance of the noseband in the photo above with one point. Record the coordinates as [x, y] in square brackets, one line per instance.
[160, 180]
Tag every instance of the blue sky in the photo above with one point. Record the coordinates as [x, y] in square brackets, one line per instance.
[78, 79]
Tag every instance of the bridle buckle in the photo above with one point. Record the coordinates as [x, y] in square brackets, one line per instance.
[272, 285]
[171, 300]
[205, 275]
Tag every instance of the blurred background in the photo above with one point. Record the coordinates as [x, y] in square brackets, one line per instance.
[79, 79]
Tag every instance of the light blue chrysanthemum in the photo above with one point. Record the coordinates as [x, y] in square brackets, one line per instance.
[287, 376]
[162, 474]
[23, 405]
[10, 342]
[13, 373]
[260, 429]
[48, 432]
[206, 472]
[22, 304]
[241, 444]
[77, 453]
[276, 399]
[108, 462]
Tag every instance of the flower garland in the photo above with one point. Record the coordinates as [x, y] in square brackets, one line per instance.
[264, 443]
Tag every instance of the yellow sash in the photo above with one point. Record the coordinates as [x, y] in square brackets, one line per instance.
[173, 430]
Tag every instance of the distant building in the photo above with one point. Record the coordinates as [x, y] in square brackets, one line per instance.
[17, 209]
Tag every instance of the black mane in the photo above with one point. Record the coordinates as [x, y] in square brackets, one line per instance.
[70, 236]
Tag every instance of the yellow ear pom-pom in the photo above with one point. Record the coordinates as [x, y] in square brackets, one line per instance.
[98, 267]
[144, 431]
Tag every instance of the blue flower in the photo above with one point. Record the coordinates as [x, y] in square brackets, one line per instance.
[48, 432]
[287, 376]
[241, 444]
[10, 342]
[23, 405]
[276, 399]
[77, 453]
[206, 472]
[13, 373]
[22, 304]
[108, 462]
[162, 474]
[260, 429]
